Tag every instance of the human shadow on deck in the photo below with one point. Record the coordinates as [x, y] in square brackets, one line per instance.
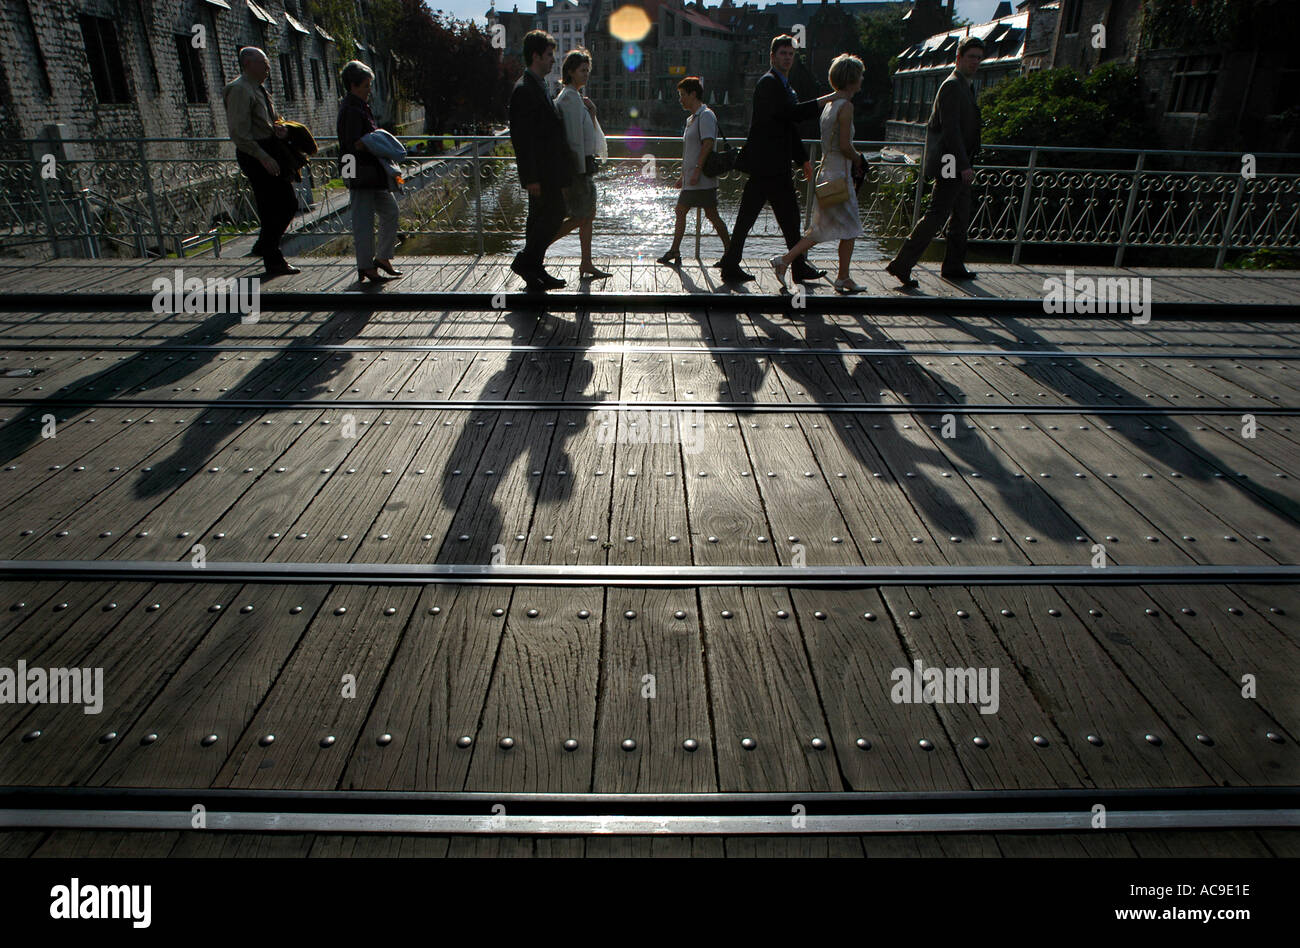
[211, 425]
[486, 450]
[1169, 441]
[870, 446]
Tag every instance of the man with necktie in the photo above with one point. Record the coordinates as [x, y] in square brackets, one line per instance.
[773, 143]
[251, 117]
[952, 137]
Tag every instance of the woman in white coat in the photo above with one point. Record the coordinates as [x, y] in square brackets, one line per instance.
[587, 143]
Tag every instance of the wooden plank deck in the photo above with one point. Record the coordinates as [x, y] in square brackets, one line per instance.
[823, 461]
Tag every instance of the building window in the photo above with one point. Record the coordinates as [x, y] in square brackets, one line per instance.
[670, 25]
[105, 57]
[1193, 83]
[1071, 14]
[286, 78]
[196, 89]
[315, 79]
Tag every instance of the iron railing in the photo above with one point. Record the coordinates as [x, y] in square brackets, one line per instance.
[81, 196]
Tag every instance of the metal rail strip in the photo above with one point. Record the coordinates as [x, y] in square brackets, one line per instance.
[499, 301]
[648, 814]
[637, 349]
[589, 404]
[640, 576]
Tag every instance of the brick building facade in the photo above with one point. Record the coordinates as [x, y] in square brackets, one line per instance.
[157, 68]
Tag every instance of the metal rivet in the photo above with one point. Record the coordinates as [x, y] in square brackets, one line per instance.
[1205, 739]
[267, 740]
[583, 613]
[869, 616]
[108, 738]
[506, 743]
[570, 745]
[629, 614]
[863, 744]
[691, 744]
[31, 736]
[532, 613]
[340, 610]
[749, 743]
[1152, 739]
[980, 742]
[1040, 740]
[464, 741]
[818, 743]
[628, 745]
[925, 744]
[149, 738]
[327, 740]
[1275, 738]
[384, 740]
[1094, 740]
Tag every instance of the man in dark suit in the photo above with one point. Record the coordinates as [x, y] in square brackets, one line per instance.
[542, 154]
[773, 143]
[952, 137]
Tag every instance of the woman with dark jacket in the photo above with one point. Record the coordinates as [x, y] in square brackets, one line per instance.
[369, 183]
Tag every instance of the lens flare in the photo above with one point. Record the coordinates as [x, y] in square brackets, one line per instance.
[635, 140]
[629, 24]
[632, 57]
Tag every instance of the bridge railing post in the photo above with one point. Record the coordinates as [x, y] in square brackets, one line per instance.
[1132, 205]
[1024, 205]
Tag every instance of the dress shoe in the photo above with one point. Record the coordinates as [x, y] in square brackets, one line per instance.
[962, 274]
[532, 278]
[386, 266]
[372, 274]
[735, 275]
[903, 276]
[671, 258]
[550, 282]
[806, 274]
[283, 268]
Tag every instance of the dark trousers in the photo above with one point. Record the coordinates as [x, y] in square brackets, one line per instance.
[276, 205]
[951, 202]
[777, 190]
[545, 215]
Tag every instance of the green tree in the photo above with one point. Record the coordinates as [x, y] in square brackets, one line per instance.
[1060, 108]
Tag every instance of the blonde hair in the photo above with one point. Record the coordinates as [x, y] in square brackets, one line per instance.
[846, 69]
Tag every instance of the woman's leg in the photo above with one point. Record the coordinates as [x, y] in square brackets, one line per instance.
[798, 249]
[363, 226]
[846, 252]
[718, 225]
[679, 229]
[570, 224]
[585, 228]
[386, 205]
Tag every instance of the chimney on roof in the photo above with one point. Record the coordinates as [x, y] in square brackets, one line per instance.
[1004, 9]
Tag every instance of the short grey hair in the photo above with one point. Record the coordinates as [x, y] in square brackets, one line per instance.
[355, 73]
[845, 70]
[247, 53]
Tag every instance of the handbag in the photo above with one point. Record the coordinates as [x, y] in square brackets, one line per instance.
[721, 159]
[831, 191]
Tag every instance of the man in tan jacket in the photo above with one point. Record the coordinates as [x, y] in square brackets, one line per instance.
[251, 117]
[952, 137]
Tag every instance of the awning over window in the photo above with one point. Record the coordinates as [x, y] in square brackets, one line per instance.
[259, 13]
[297, 26]
[323, 35]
